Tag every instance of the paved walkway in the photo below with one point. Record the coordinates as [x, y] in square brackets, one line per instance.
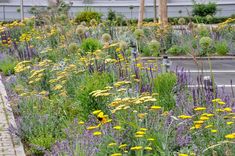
[9, 145]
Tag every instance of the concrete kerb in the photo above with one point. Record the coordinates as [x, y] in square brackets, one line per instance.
[8, 118]
[190, 58]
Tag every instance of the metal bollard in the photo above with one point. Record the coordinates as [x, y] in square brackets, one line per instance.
[165, 64]
[208, 83]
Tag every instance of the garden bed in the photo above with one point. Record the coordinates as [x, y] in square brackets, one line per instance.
[83, 89]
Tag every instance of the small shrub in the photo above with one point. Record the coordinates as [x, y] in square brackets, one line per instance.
[164, 85]
[112, 15]
[154, 46]
[139, 33]
[7, 65]
[88, 84]
[204, 9]
[221, 48]
[182, 21]
[87, 16]
[205, 44]
[178, 50]
[90, 45]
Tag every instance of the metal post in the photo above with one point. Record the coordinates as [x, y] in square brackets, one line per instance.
[22, 10]
[4, 13]
[166, 64]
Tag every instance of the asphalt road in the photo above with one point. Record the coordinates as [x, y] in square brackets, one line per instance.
[223, 71]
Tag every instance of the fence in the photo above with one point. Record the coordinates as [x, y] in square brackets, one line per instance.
[9, 12]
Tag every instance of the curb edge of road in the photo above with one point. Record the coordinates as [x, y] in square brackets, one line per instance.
[191, 58]
[17, 144]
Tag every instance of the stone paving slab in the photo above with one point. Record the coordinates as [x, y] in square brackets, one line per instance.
[9, 145]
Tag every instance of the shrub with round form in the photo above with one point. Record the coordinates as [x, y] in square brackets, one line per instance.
[181, 21]
[73, 47]
[205, 42]
[80, 30]
[106, 37]
[154, 46]
[93, 22]
[139, 33]
[209, 18]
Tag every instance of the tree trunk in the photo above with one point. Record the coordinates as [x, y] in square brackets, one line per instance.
[155, 10]
[141, 13]
[163, 16]
[53, 3]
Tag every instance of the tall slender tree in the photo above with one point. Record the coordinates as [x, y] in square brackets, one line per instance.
[141, 13]
[163, 13]
[155, 10]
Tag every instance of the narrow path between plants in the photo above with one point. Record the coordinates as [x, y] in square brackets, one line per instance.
[9, 145]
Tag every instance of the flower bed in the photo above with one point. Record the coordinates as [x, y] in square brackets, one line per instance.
[83, 90]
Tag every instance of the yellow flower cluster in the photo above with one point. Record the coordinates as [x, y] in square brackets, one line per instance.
[22, 66]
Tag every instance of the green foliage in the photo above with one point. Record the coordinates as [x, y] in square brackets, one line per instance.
[88, 84]
[164, 84]
[206, 45]
[204, 9]
[221, 48]
[42, 122]
[112, 15]
[87, 16]
[138, 33]
[178, 50]
[7, 65]
[90, 45]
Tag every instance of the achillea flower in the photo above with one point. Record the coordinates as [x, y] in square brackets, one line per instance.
[81, 123]
[142, 115]
[148, 148]
[204, 118]
[136, 148]
[96, 112]
[208, 126]
[143, 129]
[97, 133]
[123, 146]
[117, 127]
[92, 127]
[116, 154]
[182, 154]
[216, 100]
[112, 144]
[199, 108]
[214, 131]
[221, 103]
[58, 87]
[155, 107]
[185, 117]
[197, 126]
[227, 109]
[229, 123]
[230, 136]
[139, 136]
[140, 133]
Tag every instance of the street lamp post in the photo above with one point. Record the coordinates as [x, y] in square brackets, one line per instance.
[22, 10]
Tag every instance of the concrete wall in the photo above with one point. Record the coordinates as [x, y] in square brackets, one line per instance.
[8, 10]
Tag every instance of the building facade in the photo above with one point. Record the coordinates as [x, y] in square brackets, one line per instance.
[129, 8]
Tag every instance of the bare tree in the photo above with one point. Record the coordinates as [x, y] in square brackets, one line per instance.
[163, 13]
[141, 13]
